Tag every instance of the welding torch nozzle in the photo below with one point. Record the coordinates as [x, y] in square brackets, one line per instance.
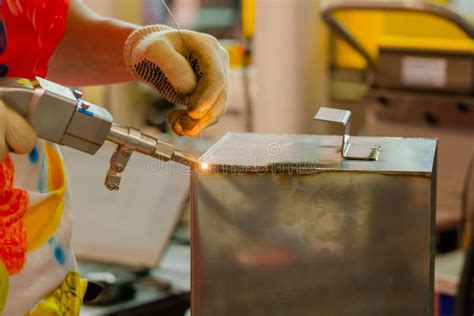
[134, 140]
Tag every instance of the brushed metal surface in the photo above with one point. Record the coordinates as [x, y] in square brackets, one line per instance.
[337, 238]
[245, 153]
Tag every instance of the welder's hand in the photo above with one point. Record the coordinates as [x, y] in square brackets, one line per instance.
[194, 74]
[16, 134]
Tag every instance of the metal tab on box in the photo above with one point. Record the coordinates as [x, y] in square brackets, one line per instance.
[349, 150]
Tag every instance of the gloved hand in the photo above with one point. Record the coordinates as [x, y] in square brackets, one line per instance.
[156, 55]
[15, 133]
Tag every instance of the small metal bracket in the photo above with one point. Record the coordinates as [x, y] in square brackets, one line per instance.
[118, 162]
[349, 150]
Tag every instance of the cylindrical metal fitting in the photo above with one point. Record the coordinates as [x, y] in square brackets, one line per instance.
[135, 140]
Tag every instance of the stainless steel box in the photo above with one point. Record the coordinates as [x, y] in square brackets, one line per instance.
[283, 226]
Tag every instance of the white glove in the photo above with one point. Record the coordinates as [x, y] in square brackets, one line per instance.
[156, 55]
[16, 134]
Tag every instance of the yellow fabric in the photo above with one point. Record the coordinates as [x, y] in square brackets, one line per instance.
[43, 219]
[4, 283]
[65, 300]
[26, 82]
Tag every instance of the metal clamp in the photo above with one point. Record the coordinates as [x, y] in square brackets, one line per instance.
[129, 140]
[118, 162]
[349, 150]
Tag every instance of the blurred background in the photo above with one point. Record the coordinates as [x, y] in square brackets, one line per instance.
[401, 72]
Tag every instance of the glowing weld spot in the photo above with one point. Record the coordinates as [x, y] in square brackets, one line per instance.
[204, 165]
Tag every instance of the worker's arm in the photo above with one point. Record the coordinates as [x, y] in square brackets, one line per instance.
[187, 68]
[91, 51]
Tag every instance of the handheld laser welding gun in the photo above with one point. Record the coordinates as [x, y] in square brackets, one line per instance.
[59, 114]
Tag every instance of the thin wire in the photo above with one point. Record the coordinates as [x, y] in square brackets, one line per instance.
[185, 50]
[178, 28]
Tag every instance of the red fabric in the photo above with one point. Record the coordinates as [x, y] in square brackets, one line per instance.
[13, 206]
[34, 29]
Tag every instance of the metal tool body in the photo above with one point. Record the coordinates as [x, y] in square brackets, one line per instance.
[59, 115]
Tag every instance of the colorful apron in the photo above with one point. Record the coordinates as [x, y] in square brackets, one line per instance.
[38, 271]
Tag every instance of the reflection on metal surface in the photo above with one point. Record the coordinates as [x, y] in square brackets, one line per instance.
[260, 153]
[349, 150]
[320, 236]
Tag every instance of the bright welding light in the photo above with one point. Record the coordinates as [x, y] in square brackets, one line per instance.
[204, 165]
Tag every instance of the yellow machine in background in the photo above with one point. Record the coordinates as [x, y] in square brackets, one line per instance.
[415, 62]
[377, 26]
[248, 18]
[419, 64]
